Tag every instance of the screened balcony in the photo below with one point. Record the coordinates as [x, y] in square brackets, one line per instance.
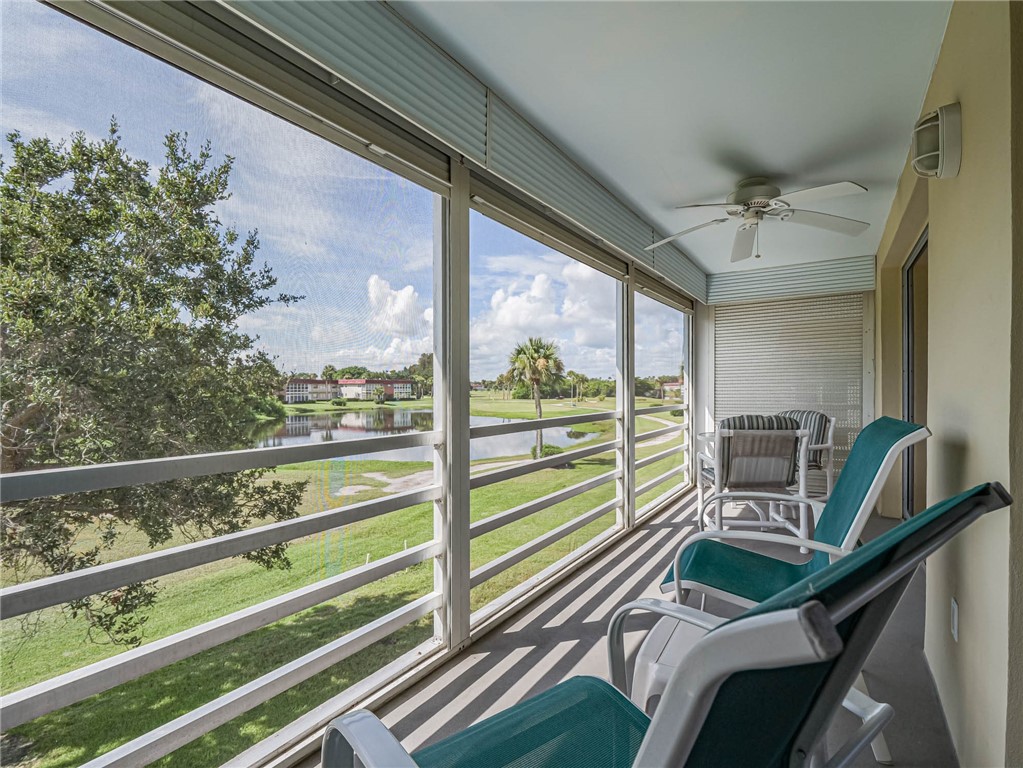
[341, 368]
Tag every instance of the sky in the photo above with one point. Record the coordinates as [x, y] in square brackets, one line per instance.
[355, 240]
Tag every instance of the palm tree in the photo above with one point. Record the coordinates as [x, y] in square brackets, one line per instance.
[535, 362]
[577, 379]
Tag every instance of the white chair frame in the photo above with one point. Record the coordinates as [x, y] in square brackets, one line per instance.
[773, 517]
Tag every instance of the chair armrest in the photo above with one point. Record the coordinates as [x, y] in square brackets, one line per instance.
[790, 498]
[360, 733]
[616, 631]
[772, 538]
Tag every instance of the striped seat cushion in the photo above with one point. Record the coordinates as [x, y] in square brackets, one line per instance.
[816, 423]
[738, 476]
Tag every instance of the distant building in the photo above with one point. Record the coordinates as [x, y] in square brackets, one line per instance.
[309, 390]
[365, 389]
[321, 390]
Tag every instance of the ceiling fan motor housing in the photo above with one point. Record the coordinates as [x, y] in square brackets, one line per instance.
[753, 192]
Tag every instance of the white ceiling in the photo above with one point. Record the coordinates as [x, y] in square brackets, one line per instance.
[669, 102]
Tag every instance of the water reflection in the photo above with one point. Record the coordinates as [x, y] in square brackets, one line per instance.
[308, 428]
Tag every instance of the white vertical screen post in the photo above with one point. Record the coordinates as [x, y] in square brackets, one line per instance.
[624, 400]
[451, 408]
[441, 582]
[688, 399]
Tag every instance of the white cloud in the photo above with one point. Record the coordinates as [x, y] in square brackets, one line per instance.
[399, 312]
[397, 354]
[547, 295]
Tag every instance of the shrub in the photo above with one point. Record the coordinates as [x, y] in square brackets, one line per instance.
[339, 401]
[271, 407]
[677, 412]
[548, 450]
[551, 450]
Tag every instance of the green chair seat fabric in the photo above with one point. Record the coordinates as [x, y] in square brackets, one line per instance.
[581, 723]
[859, 473]
[738, 571]
[867, 560]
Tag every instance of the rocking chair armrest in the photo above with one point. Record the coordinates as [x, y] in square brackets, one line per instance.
[761, 536]
[362, 734]
[786, 498]
[616, 631]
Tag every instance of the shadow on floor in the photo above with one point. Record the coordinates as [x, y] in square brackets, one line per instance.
[563, 634]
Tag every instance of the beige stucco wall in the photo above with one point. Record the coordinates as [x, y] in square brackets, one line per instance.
[970, 375]
[1014, 720]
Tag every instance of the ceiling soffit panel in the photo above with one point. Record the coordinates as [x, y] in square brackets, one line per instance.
[673, 103]
[852, 275]
[374, 49]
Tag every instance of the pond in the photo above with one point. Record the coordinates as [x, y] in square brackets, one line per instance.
[321, 427]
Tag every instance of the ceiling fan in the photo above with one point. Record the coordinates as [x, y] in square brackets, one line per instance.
[755, 200]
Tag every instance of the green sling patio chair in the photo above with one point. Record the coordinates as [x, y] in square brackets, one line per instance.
[706, 563]
[859, 592]
[759, 690]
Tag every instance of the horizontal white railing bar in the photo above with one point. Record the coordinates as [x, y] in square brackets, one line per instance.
[662, 409]
[531, 425]
[662, 478]
[54, 590]
[39, 483]
[58, 692]
[529, 466]
[656, 457]
[492, 523]
[482, 620]
[655, 506]
[299, 738]
[517, 555]
[658, 432]
[180, 731]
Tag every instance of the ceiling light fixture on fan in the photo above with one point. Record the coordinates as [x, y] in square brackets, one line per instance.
[755, 200]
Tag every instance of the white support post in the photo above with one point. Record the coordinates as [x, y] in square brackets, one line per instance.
[451, 408]
[626, 405]
[689, 399]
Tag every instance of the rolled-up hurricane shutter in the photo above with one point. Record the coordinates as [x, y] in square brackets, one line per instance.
[804, 353]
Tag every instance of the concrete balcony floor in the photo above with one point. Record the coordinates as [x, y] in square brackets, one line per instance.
[563, 634]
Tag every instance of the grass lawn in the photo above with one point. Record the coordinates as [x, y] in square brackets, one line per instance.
[189, 598]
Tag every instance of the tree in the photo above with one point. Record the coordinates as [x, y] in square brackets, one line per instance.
[329, 372]
[535, 362]
[355, 372]
[122, 291]
[577, 379]
[421, 372]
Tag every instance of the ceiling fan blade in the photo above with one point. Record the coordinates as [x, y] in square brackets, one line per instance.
[685, 232]
[726, 206]
[742, 246]
[826, 192]
[825, 221]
